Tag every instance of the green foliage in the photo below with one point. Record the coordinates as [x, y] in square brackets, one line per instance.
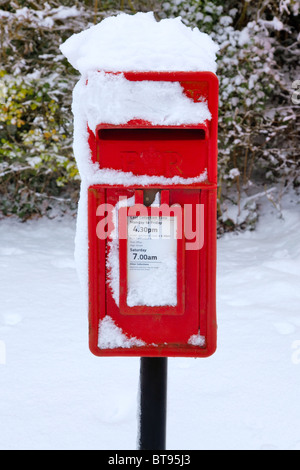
[37, 167]
[34, 148]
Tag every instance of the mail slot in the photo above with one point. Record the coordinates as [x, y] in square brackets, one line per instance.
[153, 151]
[152, 231]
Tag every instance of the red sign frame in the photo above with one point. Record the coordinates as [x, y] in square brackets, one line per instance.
[163, 210]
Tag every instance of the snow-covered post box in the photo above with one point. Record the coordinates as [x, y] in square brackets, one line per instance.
[152, 234]
[146, 145]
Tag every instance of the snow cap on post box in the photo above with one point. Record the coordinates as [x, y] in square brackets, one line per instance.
[140, 43]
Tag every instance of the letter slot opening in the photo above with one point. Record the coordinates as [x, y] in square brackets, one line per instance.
[153, 151]
[151, 134]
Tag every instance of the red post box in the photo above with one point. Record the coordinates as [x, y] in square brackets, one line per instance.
[152, 243]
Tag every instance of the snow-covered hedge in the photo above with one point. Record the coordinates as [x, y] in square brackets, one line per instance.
[258, 133]
[259, 123]
[38, 172]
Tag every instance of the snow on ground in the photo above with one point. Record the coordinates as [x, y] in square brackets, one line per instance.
[55, 395]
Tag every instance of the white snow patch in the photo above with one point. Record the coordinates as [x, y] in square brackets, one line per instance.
[244, 37]
[91, 174]
[63, 12]
[113, 115]
[113, 260]
[158, 288]
[197, 340]
[110, 98]
[112, 337]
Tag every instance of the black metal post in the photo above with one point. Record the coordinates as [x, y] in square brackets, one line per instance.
[153, 403]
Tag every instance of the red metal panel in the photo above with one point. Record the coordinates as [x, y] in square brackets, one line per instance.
[153, 151]
[96, 268]
[184, 151]
[210, 250]
[170, 333]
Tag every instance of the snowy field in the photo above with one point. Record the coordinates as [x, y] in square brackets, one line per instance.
[55, 395]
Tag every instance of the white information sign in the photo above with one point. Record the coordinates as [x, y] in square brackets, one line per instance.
[152, 261]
